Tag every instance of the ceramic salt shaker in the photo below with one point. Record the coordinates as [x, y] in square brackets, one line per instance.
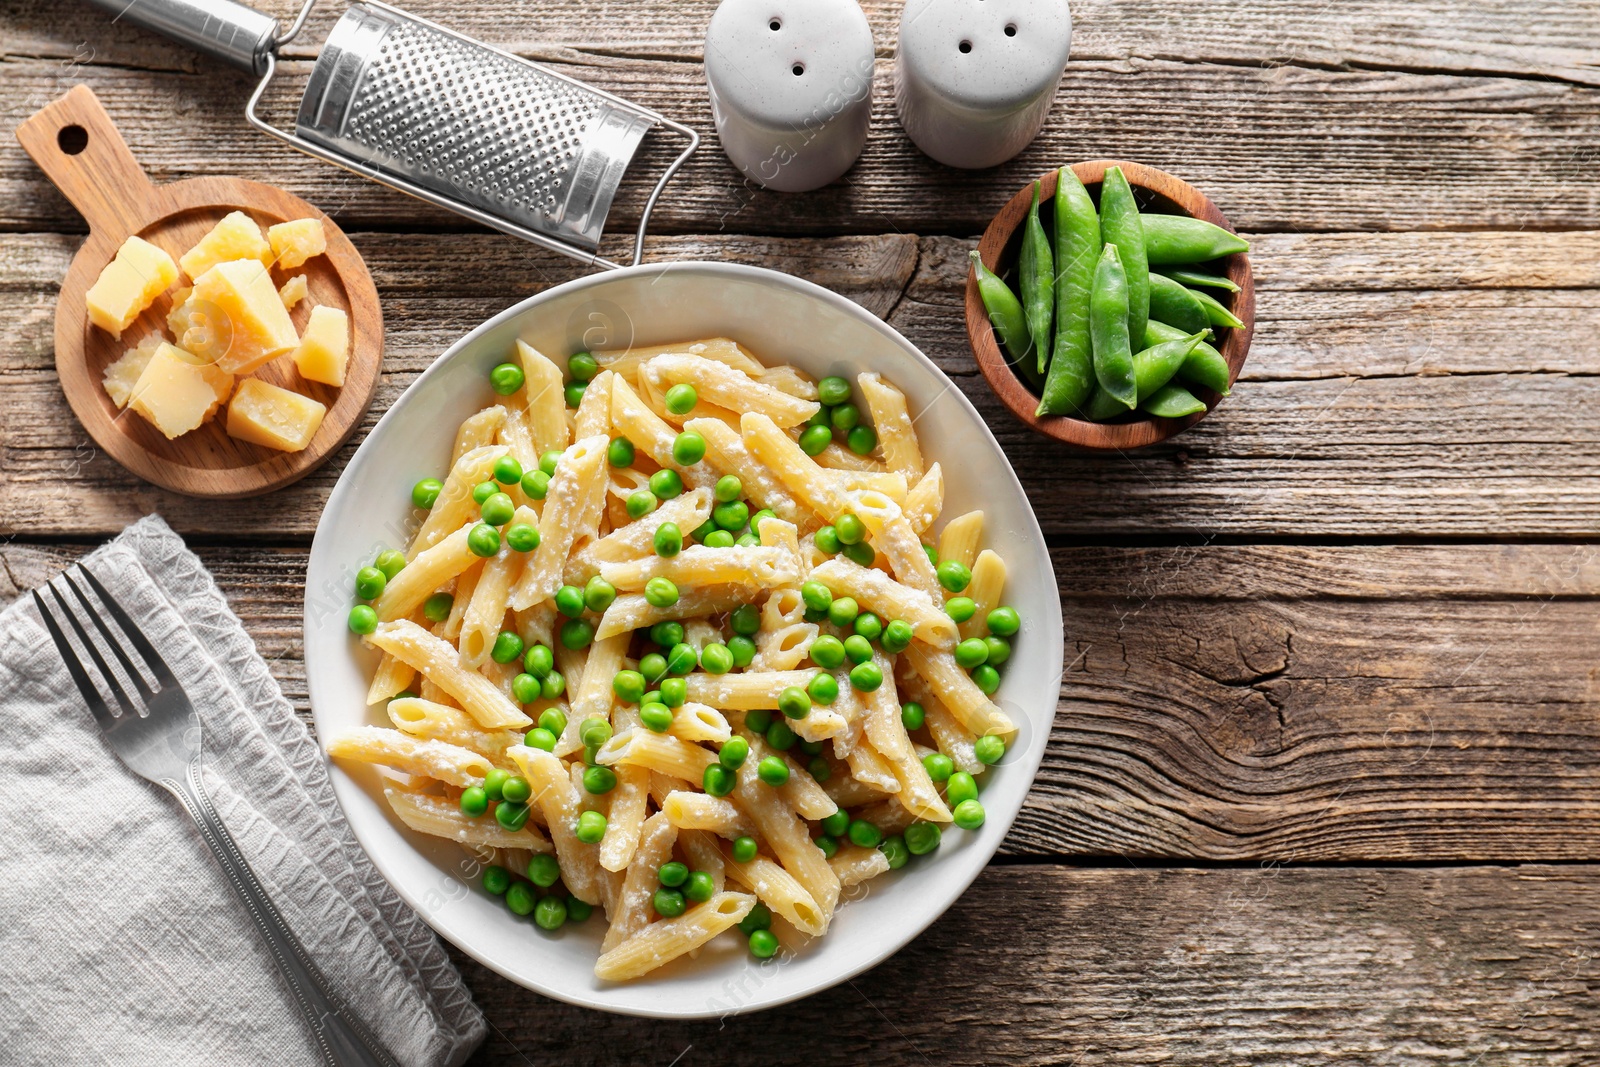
[791, 88]
[974, 79]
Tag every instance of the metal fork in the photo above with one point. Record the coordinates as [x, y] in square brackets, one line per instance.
[163, 745]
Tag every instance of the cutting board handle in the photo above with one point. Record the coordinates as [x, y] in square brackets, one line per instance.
[78, 147]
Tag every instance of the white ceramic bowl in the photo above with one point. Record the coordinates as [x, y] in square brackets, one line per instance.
[782, 319]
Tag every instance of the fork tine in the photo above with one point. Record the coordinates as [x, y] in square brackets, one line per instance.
[116, 646]
[128, 706]
[91, 695]
[158, 666]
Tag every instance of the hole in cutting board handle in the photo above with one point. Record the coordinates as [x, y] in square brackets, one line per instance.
[72, 139]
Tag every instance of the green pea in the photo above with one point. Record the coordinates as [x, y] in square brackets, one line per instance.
[681, 399]
[745, 619]
[520, 899]
[912, 715]
[954, 575]
[507, 647]
[843, 611]
[810, 748]
[569, 601]
[667, 634]
[833, 390]
[494, 782]
[986, 678]
[990, 749]
[506, 378]
[959, 787]
[758, 720]
[483, 540]
[536, 484]
[895, 849]
[815, 439]
[511, 815]
[620, 452]
[719, 539]
[999, 650]
[660, 593]
[688, 448]
[864, 833]
[599, 780]
[549, 461]
[857, 649]
[932, 554]
[653, 666]
[497, 510]
[716, 659]
[849, 529]
[674, 691]
[543, 870]
[742, 649]
[763, 944]
[577, 633]
[718, 780]
[682, 658]
[827, 540]
[823, 416]
[869, 626]
[370, 582]
[539, 661]
[553, 720]
[837, 823]
[922, 838]
[758, 517]
[539, 737]
[960, 608]
[573, 393]
[404, 694]
[827, 652]
[758, 918]
[702, 532]
[938, 765]
[628, 687]
[657, 718]
[578, 910]
[652, 697]
[827, 844]
[640, 503]
[794, 703]
[780, 736]
[496, 879]
[699, 888]
[971, 653]
[773, 770]
[437, 607]
[525, 688]
[484, 490]
[426, 492]
[860, 553]
[816, 596]
[672, 874]
[591, 827]
[668, 540]
[823, 688]
[732, 515]
[553, 685]
[522, 537]
[668, 903]
[1003, 621]
[598, 594]
[897, 636]
[516, 789]
[734, 752]
[861, 440]
[582, 366]
[596, 731]
[363, 620]
[474, 801]
[551, 912]
[507, 471]
[820, 769]
[391, 562]
[744, 849]
[666, 483]
[968, 815]
[845, 418]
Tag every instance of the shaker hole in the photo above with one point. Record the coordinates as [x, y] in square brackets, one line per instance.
[798, 69]
[775, 25]
[1011, 29]
[965, 46]
[72, 139]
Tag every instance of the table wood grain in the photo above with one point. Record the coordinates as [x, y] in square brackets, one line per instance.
[1323, 784]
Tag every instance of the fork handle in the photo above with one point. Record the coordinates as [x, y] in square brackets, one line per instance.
[343, 1038]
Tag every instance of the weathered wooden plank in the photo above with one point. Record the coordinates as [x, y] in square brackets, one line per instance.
[1464, 36]
[1277, 147]
[1273, 703]
[1054, 965]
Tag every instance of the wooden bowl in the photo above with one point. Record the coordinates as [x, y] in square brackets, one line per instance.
[1157, 193]
[76, 144]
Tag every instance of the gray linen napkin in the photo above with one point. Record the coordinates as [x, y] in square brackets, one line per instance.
[120, 941]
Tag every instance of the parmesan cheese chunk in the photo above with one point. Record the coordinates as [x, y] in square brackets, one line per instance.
[129, 284]
[295, 242]
[251, 324]
[123, 375]
[277, 418]
[325, 346]
[177, 393]
[236, 237]
[292, 291]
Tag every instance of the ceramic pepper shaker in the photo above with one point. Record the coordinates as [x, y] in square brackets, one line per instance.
[974, 79]
[791, 88]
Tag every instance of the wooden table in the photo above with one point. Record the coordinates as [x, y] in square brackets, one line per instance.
[1324, 781]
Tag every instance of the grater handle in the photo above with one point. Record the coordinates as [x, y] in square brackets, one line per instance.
[239, 36]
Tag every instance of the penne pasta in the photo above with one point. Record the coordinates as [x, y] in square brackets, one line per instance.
[391, 677]
[477, 695]
[427, 571]
[725, 450]
[789, 839]
[895, 537]
[747, 691]
[658, 752]
[891, 742]
[624, 817]
[454, 504]
[486, 611]
[697, 566]
[957, 692]
[594, 410]
[778, 890]
[632, 913]
[811, 485]
[687, 512]
[720, 384]
[875, 591]
[632, 611]
[650, 434]
[439, 817]
[697, 722]
[896, 436]
[553, 792]
[702, 811]
[959, 539]
[544, 400]
[571, 510]
[451, 764]
[988, 583]
[853, 864]
[440, 722]
[925, 500]
[664, 941]
[477, 431]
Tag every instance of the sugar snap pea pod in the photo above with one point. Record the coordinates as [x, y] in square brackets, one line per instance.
[1077, 224]
[1193, 278]
[1152, 368]
[1172, 402]
[1175, 305]
[1121, 225]
[1216, 312]
[1180, 239]
[1005, 312]
[1108, 327]
[1037, 274]
[1204, 366]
